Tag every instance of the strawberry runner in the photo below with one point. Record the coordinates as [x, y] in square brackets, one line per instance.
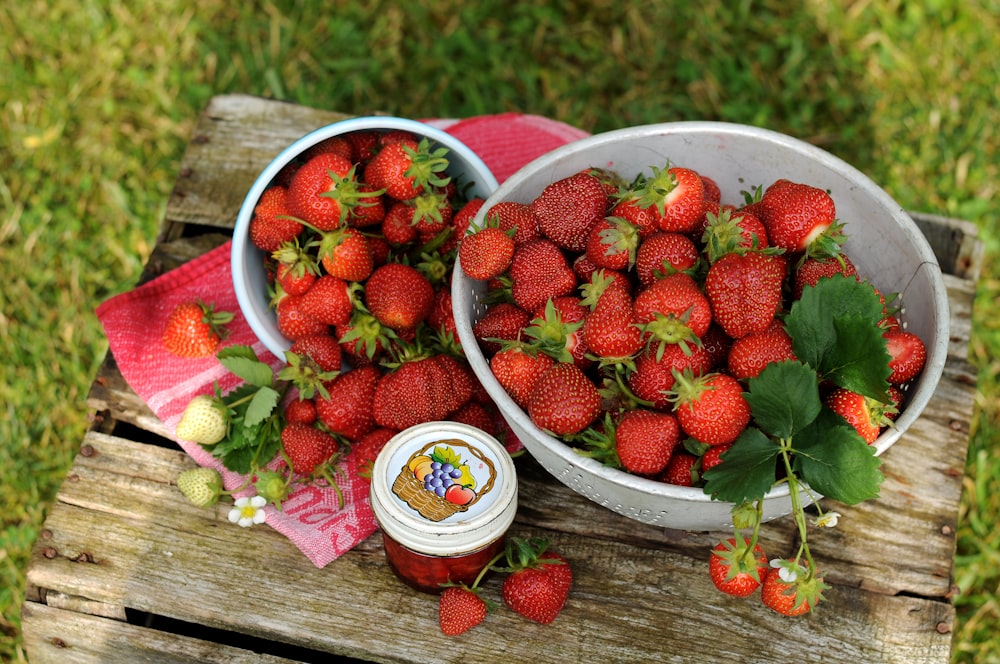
[133, 322]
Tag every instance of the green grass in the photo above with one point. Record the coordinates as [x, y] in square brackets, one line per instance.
[100, 98]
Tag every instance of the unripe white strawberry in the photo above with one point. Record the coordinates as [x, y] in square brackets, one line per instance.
[201, 486]
[203, 421]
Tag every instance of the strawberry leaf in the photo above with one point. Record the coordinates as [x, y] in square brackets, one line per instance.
[261, 406]
[834, 460]
[748, 471]
[834, 329]
[243, 362]
[784, 398]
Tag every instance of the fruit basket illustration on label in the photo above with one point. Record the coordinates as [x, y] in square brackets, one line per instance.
[439, 482]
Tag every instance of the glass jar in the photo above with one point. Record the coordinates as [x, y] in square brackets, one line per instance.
[444, 495]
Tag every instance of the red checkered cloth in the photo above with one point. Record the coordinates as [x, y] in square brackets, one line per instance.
[133, 322]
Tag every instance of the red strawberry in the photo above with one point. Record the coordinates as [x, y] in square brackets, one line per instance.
[812, 269]
[411, 394]
[737, 570]
[729, 230]
[367, 447]
[791, 598]
[564, 400]
[749, 354]
[195, 329]
[799, 216]
[370, 208]
[908, 355]
[538, 583]
[516, 217]
[294, 322]
[364, 338]
[673, 310]
[337, 144]
[612, 243]
[442, 316]
[717, 344]
[643, 218]
[399, 296]
[710, 408]
[271, 225]
[398, 227]
[296, 270]
[302, 411]
[348, 411]
[557, 330]
[323, 349]
[678, 196]
[711, 188]
[611, 330]
[307, 447]
[329, 300]
[680, 470]
[363, 144]
[432, 214]
[460, 222]
[324, 190]
[405, 169]
[459, 610]
[345, 253]
[745, 291]
[865, 414]
[476, 415]
[517, 370]
[486, 253]
[502, 320]
[568, 208]
[713, 456]
[663, 253]
[539, 271]
[645, 440]
[653, 377]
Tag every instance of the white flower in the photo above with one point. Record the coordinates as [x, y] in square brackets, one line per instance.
[827, 520]
[248, 511]
[788, 570]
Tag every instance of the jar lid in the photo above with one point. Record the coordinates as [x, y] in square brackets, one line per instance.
[444, 488]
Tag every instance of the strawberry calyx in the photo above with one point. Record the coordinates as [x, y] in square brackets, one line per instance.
[598, 443]
[346, 191]
[550, 334]
[652, 191]
[427, 165]
[667, 329]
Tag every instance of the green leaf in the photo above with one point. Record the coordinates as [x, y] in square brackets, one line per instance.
[252, 371]
[833, 459]
[747, 471]
[784, 398]
[261, 406]
[834, 329]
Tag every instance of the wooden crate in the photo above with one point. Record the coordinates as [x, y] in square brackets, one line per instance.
[126, 570]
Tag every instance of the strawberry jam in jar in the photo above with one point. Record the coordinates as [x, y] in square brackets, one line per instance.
[444, 495]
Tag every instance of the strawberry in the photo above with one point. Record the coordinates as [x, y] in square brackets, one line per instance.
[364, 144]
[324, 190]
[459, 610]
[538, 581]
[610, 330]
[792, 597]
[663, 253]
[399, 296]
[517, 368]
[907, 353]
[645, 440]
[204, 421]
[348, 410]
[628, 207]
[294, 322]
[504, 321]
[486, 253]
[272, 225]
[557, 330]
[442, 315]
[329, 300]
[678, 196]
[407, 168]
[539, 271]
[799, 217]
[367, 447]
[749, 354]
[729, 230]
[345, 253]
[653, 376]
[398, 227]
[411, 393]
[364, 338]
[336, 144]
[814, 268]
[296, 270]
[866, 415]
[711, 189]
[710, 408]
[202, 486]
[564, 401]
[717, 344]
[673, 310]
[323, 349]
[745, 291]
[680, 470]
[735, 569]
[307, 447]
[300, 410]
[432, 214]
[713, 456]
[460, 222]
[517, 217]
[476, 415]
[568, 208]
[612, 243]
[195, 329]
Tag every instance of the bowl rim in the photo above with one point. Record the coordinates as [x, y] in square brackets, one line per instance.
[241, 245]
[937, 355]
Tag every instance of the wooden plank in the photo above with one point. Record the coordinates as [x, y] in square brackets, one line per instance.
[157, 554]
[955, 243]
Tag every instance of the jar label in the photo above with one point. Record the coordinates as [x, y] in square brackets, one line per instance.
[445, 478]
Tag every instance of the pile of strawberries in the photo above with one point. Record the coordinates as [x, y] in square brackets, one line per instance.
[360, 235]
[626, 317]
